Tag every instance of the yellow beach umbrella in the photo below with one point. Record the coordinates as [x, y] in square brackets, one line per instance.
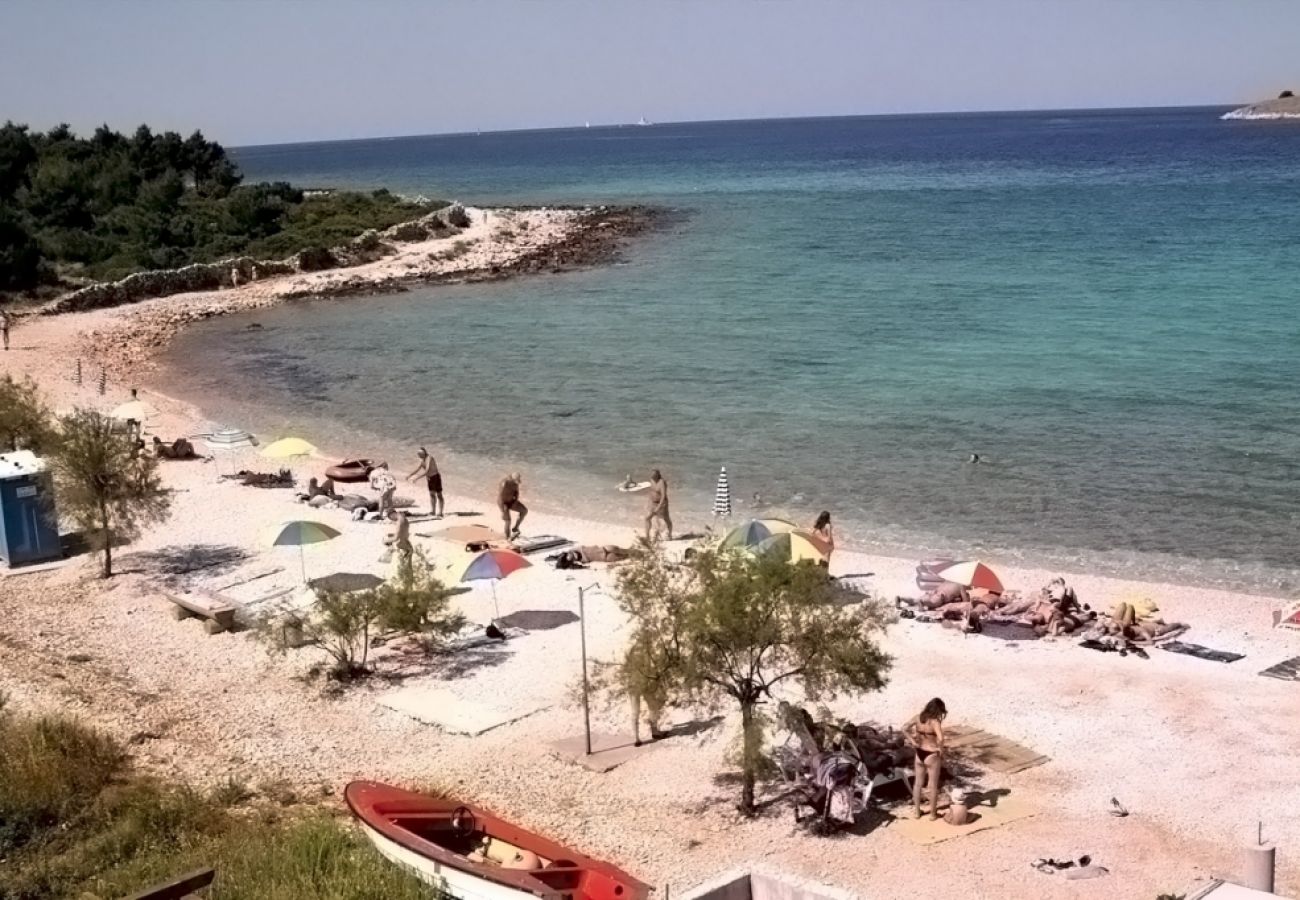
[133, 410]
[755, 531]
[286, 448]
[794, 547]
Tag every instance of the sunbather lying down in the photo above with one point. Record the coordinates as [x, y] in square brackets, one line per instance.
[177, 449]
[1126, 621]
[587, 554]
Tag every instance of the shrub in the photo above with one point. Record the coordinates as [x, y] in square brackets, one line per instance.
[25, 420]
[415, 602]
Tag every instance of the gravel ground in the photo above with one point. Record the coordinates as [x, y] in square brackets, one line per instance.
[1198, 752]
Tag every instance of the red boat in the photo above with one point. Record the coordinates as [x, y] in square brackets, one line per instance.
[470, 853]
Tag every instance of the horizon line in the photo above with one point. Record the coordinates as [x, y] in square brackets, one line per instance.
[894, 115]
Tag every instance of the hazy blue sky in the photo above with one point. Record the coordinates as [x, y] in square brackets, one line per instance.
[262, 71]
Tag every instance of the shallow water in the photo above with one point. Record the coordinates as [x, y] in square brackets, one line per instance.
[1100, 304]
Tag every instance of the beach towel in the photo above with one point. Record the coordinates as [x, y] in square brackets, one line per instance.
[1287, 670]
[1201, 652]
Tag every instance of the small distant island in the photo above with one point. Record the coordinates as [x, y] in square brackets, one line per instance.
[1286, 106]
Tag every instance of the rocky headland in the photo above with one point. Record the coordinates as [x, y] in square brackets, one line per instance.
[1285, 106]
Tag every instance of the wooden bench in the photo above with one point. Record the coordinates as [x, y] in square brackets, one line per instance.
[177, 888]
[217, 612]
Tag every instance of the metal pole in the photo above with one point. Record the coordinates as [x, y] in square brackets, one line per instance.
[582, 630]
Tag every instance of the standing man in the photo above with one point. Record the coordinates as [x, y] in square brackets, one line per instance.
[4, 327]
[658, 494]
[383, 481]
[428, 467]
[508, 501]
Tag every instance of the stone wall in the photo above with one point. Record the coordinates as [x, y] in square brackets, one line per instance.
[198, 277]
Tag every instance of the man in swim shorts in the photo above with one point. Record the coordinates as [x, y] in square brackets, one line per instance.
[658, 495]
[428, 467]
[508, 501]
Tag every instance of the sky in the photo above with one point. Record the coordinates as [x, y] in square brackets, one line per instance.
[274, 71]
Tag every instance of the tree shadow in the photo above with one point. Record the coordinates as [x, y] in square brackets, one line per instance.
[183, 559]
[692, 728]
[411, 660]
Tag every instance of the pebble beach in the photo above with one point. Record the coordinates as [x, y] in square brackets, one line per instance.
[1200, 753]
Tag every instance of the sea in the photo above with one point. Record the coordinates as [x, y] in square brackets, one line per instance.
[1103, 305]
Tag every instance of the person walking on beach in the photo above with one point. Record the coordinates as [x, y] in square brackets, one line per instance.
[508, 501]
[925, 734]
[4, 327]
[383, 481]
[658, 495]
[824, 532]
[428, 467]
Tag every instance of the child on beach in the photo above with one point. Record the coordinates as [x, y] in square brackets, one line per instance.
[383, 481]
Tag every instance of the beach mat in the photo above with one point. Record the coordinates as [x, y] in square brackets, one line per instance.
[464, 534]
[1201, 652]
[926, 831]
[1287, 670]
[539, 543]
[991, 751]
[538, 619]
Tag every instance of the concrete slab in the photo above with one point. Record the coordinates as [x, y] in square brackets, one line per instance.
[608, 751]
[434, 705]
[33, 568]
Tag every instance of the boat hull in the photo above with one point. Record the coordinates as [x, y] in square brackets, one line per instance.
[451, 881]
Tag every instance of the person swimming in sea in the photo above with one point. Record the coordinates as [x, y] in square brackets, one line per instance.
[974, 458]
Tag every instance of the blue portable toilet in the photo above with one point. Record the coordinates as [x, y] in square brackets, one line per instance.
[29, 531]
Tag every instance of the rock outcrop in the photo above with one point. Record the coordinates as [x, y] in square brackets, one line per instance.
[1286, 106]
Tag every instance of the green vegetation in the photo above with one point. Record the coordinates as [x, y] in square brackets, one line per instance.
[103, 484]
[77, 820]
[728, 627]
[414, 602]
[109, 205]
[25, 421]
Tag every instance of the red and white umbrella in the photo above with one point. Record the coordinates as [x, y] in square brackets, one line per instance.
[972, 574]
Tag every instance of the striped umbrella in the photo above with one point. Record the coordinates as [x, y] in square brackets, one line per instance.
[755, 531]
[722, 495]
[972, 574]
[301, 533]
[794, 547]
[489, 565]
[228, 440]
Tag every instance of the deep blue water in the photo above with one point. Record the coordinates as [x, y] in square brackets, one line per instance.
[1101, 304]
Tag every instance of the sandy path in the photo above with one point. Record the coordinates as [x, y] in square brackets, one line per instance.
[1199, 752]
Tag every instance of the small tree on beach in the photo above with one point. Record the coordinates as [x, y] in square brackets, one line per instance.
[104, 485]
[415, 602]
[25, 420]
[341, 624]
[731, 627]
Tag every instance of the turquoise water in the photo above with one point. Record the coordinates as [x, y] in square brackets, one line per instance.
[1102, 305]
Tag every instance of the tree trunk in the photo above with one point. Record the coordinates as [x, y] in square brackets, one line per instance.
[108, 542]
[747, 756]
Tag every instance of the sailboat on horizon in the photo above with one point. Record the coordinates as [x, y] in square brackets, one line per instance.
[642, 121]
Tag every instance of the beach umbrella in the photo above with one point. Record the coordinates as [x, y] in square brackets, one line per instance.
[133, 410]
[465, 534]
[228, 440]
[286, 448]
[755, 531]
[491, 566]
[793, 547]
[301, 533]
[972, 574]
[722, 495]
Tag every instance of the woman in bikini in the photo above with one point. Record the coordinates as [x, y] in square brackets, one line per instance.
[925, 734]
[823, 530]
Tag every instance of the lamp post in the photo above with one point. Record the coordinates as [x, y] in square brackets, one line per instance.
[582, 631]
